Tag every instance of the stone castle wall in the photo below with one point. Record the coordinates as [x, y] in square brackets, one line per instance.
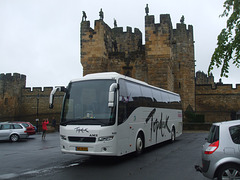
[19, 103]
[218, 102]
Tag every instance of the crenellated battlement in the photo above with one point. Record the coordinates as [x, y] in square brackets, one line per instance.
[218, 88]
[36, 90]
[12, 77]
[100, 25]
[165, 25]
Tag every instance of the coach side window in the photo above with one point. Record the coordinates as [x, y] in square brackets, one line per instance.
[157, 98]
[123, 100]
[134, 94]
[147, 99]
[165, 97]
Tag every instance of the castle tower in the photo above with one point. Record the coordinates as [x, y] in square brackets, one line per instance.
[10, 94]
[184, 64]
[159, 54]
[170, 57]
[93, 49]
[105, 49]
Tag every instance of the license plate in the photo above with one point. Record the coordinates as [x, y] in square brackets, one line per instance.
[81, 148]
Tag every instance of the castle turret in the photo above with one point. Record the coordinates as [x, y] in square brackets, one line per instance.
[10, 94]
[184, 65]
[105, 49]
[159, 55]
[93, 49]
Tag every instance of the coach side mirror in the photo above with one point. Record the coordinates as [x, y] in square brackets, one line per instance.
[51, 98]
[112, 89]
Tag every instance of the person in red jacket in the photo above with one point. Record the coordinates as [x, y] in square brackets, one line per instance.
[44, 128]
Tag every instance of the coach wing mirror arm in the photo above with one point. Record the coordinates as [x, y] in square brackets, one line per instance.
[112, 89]
[51, 98]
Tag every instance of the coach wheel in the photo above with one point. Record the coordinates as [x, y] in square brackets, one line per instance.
[139, 144]
[14, 137]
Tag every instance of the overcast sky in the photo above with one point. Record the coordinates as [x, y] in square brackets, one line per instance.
[40, 38]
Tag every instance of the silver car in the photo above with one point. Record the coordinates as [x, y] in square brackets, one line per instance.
[12, 131]
[221, 152]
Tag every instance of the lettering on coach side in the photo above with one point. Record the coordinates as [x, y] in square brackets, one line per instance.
[157, 125]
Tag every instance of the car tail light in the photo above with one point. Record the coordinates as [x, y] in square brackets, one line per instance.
[212, 148]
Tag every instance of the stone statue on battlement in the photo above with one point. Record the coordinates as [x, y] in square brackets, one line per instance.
[115, 23]
[84, 16]
[182, 19]
[147, 9]
[101, 14]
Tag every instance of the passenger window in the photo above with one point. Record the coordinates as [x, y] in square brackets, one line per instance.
[17, 126]
[130, 98]
[235, 134]
[156, 96]
[6, 126]
[123, 100]
[165, 97]
[147, 99]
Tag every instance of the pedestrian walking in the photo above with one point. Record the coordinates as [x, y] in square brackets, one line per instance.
[44, 128]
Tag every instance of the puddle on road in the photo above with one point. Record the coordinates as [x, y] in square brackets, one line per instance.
[34, 173]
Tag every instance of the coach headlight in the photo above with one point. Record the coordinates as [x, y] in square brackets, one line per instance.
[105, 138]
[63, 137]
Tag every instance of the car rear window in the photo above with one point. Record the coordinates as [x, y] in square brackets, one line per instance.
[235, 133]
[17, 126]
[25, 125]
[213, 135]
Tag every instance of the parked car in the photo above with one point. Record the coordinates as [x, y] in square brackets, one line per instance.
[221, 152]
[30, 128]
[12, 131]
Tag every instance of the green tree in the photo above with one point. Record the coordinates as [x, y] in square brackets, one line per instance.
[228, 45]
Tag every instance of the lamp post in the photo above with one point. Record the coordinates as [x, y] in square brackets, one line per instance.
[37, 120]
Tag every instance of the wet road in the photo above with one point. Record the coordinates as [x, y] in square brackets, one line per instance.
[37, 159]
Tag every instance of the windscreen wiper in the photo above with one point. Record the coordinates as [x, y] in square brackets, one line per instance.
[69, 122]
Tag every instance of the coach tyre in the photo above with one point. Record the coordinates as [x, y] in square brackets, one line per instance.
[229, 171]
[139, 144]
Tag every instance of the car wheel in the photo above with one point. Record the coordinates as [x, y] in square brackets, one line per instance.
[173, 135]
[14, 137]
[230, 171]
[139, 144]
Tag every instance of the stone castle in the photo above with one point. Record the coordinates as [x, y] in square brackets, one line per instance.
[166, 60]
